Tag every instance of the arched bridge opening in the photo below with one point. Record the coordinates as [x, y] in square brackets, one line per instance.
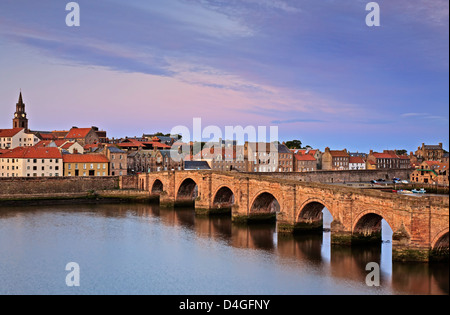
[157, 188]
[224, 200]
[440, 251]
[187, 193]
[264, 208]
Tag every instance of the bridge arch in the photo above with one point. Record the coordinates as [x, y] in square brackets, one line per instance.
[312, 210]
[224, 197]
[369, 220]
[187, 190]
[264, 203]
[441, 241]
[157, 187]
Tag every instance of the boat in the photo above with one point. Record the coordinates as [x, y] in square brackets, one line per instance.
[421, 191]
[406, 192]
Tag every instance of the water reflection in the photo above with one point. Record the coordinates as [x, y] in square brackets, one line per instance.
[314, 251]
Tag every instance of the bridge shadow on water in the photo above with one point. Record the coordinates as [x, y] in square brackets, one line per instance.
[315, 250]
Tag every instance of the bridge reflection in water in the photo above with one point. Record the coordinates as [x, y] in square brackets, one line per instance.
[314, 250]
[133, 227]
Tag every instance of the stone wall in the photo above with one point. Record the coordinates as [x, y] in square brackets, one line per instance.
[342, 176]
[55, 185]
[129, 182]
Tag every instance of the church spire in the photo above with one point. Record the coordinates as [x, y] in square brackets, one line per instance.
[20, 98]
[20, 116]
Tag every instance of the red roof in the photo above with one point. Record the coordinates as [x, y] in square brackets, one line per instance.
[356, 160]
[90, 146]
[42, 143]
[85, 158]
[385, 156]
[33, 153]
[306, 157]
[78, 133]
[130, 143]
[47, 136]
[158, 144]
[8, 133]
[67, 145]
[339, 154]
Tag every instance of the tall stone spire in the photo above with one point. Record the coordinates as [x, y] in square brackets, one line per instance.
[20, 116]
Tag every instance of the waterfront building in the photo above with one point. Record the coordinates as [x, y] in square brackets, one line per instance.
[31, 162]
[85, 165]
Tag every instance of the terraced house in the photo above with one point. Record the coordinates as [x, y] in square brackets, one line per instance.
[31, 162]
[82, 165]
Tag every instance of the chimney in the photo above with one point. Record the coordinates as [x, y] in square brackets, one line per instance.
[371, 152]
[327, 149]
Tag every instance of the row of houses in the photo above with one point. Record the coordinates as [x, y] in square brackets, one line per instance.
[51, 161]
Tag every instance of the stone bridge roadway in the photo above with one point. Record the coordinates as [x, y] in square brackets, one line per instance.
[420, 225]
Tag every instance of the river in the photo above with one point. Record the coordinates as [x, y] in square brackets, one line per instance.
[142, 249]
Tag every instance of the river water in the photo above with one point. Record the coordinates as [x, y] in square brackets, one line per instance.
[142, 249]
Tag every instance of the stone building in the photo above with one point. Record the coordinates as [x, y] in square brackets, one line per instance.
[431, 172]
[83, 135]
[305, 163]
[335, 160]
[83, 165]
[389, 160]
[430, 152]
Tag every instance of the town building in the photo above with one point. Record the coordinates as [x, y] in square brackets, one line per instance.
[221, 158]
[431, 172]
[83, 165]
[389, 160]
[31, 162]
[117, 158]
[146, 161]
[83, 135]
[262, 157]
[314, 152]
[285, 159]
[356, 163]
[430, 152]
[305, 163]
[335, 160]
[20, 119]
[16, 137]
[67, 146]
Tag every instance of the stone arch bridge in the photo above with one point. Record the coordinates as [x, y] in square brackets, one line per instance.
[420, 225]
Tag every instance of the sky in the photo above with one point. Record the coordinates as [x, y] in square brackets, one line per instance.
[312, 68]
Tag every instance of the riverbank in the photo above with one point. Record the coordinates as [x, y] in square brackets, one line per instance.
[90, 197]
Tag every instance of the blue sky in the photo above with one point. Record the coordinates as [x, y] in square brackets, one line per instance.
[313, 68]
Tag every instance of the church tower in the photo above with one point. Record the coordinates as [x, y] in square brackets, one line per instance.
[20, 119]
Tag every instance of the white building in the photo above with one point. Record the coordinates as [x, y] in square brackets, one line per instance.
[16, 137]
[356, 163]
[31, 162]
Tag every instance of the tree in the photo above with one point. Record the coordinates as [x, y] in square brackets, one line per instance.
[294, 144]
[401, 152]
